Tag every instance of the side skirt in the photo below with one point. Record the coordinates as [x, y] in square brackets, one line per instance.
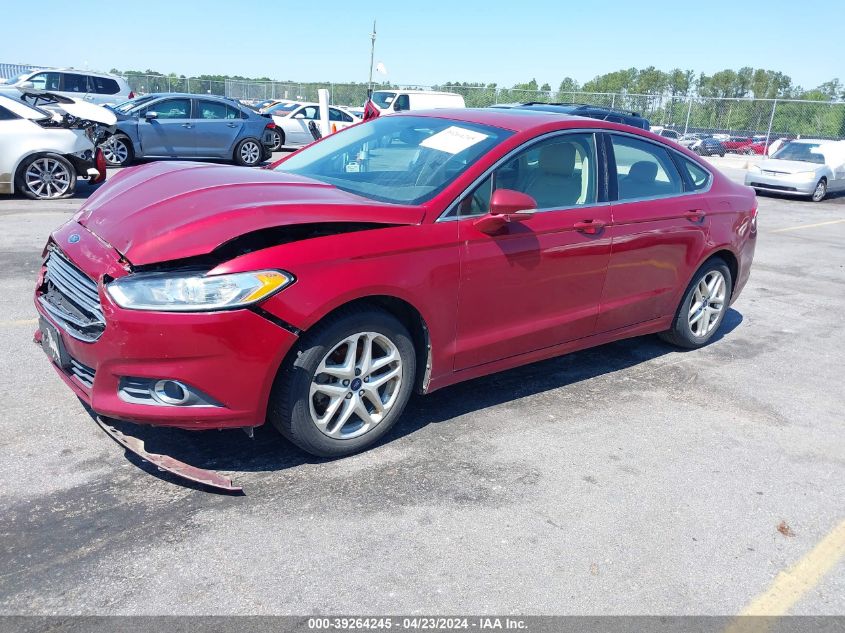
[640, 329]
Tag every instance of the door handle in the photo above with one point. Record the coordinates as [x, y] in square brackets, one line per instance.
[695, 215]
[590, 227]
[232, 124]
[188, 125]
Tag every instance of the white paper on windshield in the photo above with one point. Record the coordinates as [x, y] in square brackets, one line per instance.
[453, 140]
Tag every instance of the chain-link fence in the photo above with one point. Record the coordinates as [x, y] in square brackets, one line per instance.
[683, 113]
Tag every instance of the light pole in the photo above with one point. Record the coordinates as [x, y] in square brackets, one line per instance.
[372, 53]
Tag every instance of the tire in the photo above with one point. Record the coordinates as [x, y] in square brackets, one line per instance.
[721, 154]
[118, 150]
[46, 177]
[248, 153]
[698, 334]
[278, 140]
[820, 191]
[699, 151]
[297, 401]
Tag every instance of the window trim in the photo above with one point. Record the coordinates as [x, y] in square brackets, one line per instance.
[671, 151]
[601, 175]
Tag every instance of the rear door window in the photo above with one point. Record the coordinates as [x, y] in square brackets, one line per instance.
[104, 85]
[71, 82]
[216, 110]
[644, 170]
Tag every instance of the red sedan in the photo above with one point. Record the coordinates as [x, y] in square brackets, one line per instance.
[737, 144]
[406, 253]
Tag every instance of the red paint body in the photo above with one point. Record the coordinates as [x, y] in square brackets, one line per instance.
[537, 288]
[737, 145]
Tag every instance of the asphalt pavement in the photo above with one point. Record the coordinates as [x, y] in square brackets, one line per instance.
[632, 478]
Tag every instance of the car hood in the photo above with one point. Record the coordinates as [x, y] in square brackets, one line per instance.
[789, 166]
[167, 211]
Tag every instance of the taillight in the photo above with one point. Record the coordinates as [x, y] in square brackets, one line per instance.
[270, 126]
[131, 95]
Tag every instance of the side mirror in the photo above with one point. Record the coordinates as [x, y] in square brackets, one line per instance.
[506, 205]
[508, 202]
[299, 116]
[26, 85]
[150, 115]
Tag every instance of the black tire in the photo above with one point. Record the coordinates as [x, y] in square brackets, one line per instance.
[820, 191]
[681, 334]
[114, 155]
[290, 405]
[40, 160]
[721, 154]
[248, 153]
[278, 140]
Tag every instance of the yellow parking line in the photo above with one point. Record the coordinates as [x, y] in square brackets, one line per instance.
[19, 322]
[806, 226]
[791, 585]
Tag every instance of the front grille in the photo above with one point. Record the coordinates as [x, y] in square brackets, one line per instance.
[775, 187]
[82, 373]
[71, 297]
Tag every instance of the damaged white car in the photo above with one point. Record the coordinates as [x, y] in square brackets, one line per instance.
[43, 152]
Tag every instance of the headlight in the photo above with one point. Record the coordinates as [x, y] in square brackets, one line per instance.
[195, 291]
[754, 169]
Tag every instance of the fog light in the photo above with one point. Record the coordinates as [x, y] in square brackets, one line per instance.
[163, 392]
[171, 392]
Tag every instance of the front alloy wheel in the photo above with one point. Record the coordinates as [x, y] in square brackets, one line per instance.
[356, 385]
[345, 384]
[47, 178]
[116, 151]
[820, 191]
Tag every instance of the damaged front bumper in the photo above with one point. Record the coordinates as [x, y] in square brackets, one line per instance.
[169, 464]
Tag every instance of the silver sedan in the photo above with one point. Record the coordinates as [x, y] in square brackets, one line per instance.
[807, 167]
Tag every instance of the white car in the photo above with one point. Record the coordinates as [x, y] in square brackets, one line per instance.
[292, 121]
[99, 88]
[809, 167]
[43, 153]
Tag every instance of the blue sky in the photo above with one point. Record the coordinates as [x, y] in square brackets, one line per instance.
[428, 42]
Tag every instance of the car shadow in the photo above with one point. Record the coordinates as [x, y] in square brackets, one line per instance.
[234, 451]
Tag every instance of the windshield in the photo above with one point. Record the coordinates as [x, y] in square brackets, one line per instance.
[17, 78]
[383, 99]
[806, 152]
[282, 108]
[398, 159]
[126, 106]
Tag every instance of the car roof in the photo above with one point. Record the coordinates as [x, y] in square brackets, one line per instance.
[514, 119]
[93, 73]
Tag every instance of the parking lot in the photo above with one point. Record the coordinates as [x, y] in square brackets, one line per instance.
[627, 479]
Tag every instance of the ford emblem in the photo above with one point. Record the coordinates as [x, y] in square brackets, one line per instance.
[74, 238]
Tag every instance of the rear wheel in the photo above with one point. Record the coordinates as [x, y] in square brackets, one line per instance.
[278, 140]
[347, 384]
[46, 177]
[248, 152]
[703, 307]
[820, 191]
